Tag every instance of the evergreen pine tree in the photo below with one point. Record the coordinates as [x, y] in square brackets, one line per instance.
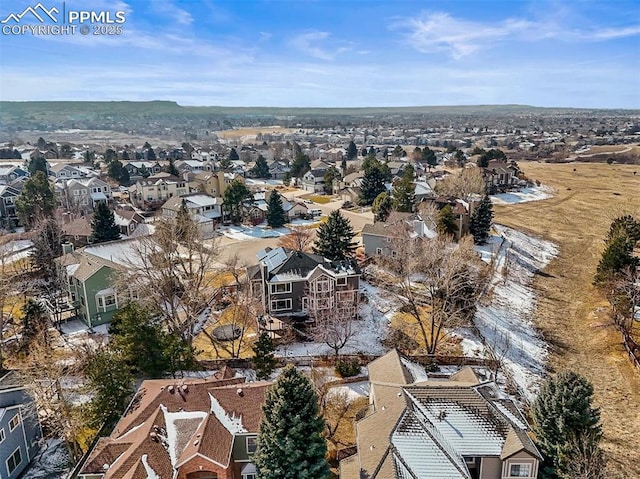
[261, 169]
[481, 220]
[624, 233]
[34, 320]
[47, 245]
[103, 225]
[330, 175]
[275, 213]
[264, 361]
[36, 199]
[352, 151]
[236, 197]
[404, 191]
[382, 207]
[334, 239]
[446, 222]
[373, 181]
[171, 168]
[37, 164]
[562, 414]
[290, 441]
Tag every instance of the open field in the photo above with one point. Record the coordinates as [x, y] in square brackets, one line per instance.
[572, 314]
[241, 132]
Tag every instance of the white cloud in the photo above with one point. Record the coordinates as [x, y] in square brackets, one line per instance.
[440, 32]
[319, 45]
[171, 10]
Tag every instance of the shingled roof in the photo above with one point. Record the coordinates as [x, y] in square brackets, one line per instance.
[170, 421]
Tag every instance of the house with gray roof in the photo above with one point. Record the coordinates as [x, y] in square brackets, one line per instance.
[8, 196]
[20, 431]
[294, 283]
[205, 210]
[459, 427]
[378, 238]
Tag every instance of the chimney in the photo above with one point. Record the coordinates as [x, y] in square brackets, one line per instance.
[67, 248]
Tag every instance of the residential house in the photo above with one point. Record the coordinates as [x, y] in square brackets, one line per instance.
[378, 238]
[20, 431]
[10, 173]
[128, 220]
[66, 171]
[77, 231]
[205, 210]
[459, 427]
[136, 168]
[82, 194]
[8, 196]
[213, 183]
[295, 283]
[423, 191]
[313, 180]
[461, 209]
[278, 170]
[499, 176]
[257, 212]
[349, 188]
[194, 166]
[152, 192]
[90, 275]
[183, 429]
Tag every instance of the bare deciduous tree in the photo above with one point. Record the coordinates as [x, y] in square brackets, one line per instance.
[585, 459]
[334, 325]
[240, 317]
[300, 239]
[438, 282]
[172, 270]
[463, 184]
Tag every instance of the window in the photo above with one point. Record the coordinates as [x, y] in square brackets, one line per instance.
[252, 445]
[14, 461]
[342, 281]
[280, 288]
[15, 421]
[378, 250]
[520, 470]
[1, 435]
[322, 285]
[248, 476]
[105, 298]
[280, 305]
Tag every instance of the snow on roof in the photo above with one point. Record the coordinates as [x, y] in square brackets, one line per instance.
[72, 268]
[512, 417]
[231, 423]
[417, 372]
[98, 197]
[173, 438]
[201, 200]
[151, 474]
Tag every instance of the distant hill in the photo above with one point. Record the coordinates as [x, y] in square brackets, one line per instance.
[83, 109]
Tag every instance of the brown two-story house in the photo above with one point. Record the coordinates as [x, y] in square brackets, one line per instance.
[295, 283]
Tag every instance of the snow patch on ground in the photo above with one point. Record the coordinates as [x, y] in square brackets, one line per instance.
[244, 233]
[533, 193]
[51, 462]
[375, 315]
[352, 391]
[506, 321]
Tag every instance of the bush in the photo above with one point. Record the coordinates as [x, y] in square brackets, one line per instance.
[347, 369]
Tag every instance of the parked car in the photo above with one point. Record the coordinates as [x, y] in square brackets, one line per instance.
[314, 212]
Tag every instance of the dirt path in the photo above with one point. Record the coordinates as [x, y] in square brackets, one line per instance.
[572, 314]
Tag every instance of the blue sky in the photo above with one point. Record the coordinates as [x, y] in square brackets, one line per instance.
[576, 53]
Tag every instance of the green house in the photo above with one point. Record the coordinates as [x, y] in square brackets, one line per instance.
[90, 281]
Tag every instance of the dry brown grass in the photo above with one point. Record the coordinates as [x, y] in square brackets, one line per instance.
[240, 132]
[205, 350]
[405, 322]
[572, 314]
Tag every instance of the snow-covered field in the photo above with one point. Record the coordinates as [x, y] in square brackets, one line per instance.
[506, 321]
[16, 250]
[52, 462]
[534, 193]
[375, 316]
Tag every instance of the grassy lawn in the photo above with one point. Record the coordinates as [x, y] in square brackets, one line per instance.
[572, 314]
[322, 199]
[205, 348]
[408, 325]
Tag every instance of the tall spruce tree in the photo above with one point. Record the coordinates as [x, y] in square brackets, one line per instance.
[382, 207]
[236, 197]
[624, 233]
[334, 239]
[352, 151]
[375, 176]
[275, 212]
[36, 199]
[446, 221]
[404, 191]
[261, 169]
[171, 168]
[264, 360]
[481, 220]
[562, 414]
[47, 245]
[103, 224]
[290, 441]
